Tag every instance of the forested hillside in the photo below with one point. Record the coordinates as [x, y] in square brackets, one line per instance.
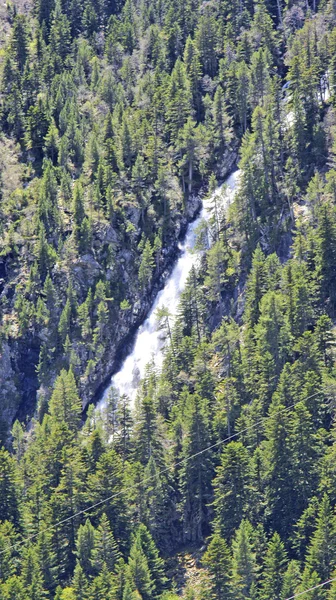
[116, 119]
[105, 137]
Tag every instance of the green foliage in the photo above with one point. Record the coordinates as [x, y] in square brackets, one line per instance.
[9, 490]
[230, 487]
[217, 560]
[244, 565]
[114, 116]
[65, 406]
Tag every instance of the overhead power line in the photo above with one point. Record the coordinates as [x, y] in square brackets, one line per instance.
[311, 589]
[152, 477]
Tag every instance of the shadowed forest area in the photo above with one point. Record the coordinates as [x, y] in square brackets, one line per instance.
[116, 119]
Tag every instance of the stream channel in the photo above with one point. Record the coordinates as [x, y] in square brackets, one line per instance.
[149, 341]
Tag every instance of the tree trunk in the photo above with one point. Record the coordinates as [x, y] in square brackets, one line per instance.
[279, 12]
[190, 175]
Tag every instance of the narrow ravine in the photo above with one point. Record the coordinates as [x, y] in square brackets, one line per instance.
[149, 342]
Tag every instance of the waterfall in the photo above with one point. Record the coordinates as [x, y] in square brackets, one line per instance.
[149, 342]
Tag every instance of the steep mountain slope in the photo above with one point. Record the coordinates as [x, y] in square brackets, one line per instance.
[103, 189]
[221, 483]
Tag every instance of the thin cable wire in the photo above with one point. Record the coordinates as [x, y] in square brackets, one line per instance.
[315, 587]
[152, 477]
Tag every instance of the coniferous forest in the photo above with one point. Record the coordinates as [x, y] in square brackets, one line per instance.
[116, 119]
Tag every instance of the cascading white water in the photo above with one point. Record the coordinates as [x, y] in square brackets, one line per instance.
[149, 341]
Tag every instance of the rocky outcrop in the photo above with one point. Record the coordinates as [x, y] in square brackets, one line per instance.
[19, 357]
[119, 348]
[226, 163]
[8, 391]
[122, 338]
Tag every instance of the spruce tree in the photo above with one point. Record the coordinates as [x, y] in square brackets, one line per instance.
[84, 546]
[195, 474]
[231, 488]
[218, 562]
[155, 562]
[105, 549]
[244, 567]
[65, 406]
[9, 489]
[138, 573]
[321, 555]
[274, 569]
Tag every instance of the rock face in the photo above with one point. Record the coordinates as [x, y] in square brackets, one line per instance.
[121, 345]
[20, 356]
[225, 165]
[86, 269]
[8, 391]
[121, 342]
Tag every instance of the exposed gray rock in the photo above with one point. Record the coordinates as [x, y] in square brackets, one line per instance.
[8, 393]
[129, 322]
[86, 269]
[106, 234]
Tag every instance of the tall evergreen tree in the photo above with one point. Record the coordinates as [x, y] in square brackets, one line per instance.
[231, 489]
[217, 560]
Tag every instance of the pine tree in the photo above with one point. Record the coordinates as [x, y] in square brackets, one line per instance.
[13, 589]
[65, 321]
[60, 37]
[84, 546]
[48, 210]
[8, 538]
[105, 549]
[126, 145]
[108, 482]
[187, 144]
[216, 270]
[191, 59]
[195, 474]
[65, 406]
[155, 563]
[321, 555]
[332, 592]
[31, 575]
[47, 560]
[218, 562]
[80, 584]
[260, 79]
[146, 432]
[291, 578]
[178, 99]
[242, 106]
[123, 442]
[19, 43]
[310, 579]
[78, 204]
[303, 455]
[146, 266]
[221, 120]
[255, 288]
[279, 471]
[46, 255]
[274, 569]
[230, 487]
[103, 586]
[51, 143]
[326, 254]
[206, 41]
[158, 505]
[244, 567]
[138, 572]
[9, 490]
